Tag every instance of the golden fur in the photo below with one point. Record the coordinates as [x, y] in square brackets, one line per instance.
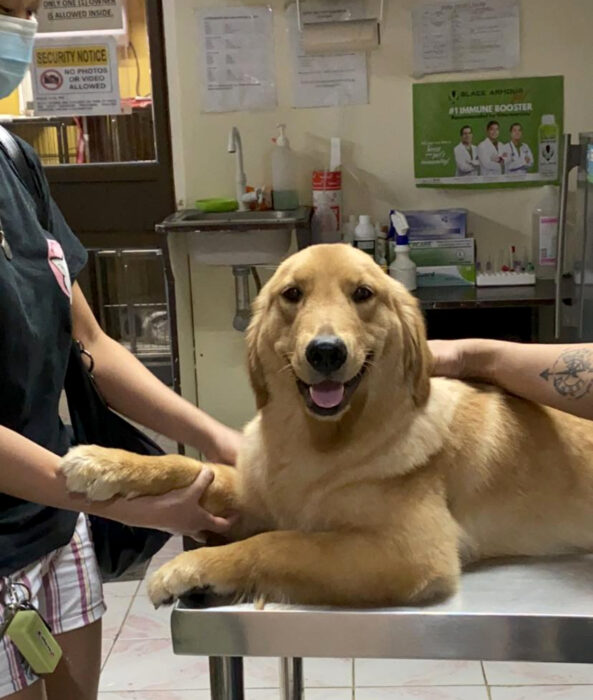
[384, 503]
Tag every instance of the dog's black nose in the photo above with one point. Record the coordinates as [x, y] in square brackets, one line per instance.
[326, 353]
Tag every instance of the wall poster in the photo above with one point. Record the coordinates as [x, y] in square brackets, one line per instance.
[488, 133]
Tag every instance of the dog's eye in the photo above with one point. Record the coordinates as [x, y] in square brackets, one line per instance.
[362, 294]
[292, 294]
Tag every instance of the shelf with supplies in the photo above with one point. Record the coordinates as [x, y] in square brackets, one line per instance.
[542, 293]
[510, 278]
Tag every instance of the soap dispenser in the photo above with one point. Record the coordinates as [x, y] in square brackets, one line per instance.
[284, 188]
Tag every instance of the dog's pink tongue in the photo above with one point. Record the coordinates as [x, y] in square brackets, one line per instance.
[327, 394]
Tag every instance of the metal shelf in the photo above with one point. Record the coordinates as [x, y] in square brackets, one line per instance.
[137, 305]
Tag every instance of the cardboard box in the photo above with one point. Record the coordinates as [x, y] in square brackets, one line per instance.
[446, 276]
[437, 223]
[449, 251]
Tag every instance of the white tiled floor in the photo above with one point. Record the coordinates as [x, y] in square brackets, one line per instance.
[139, 665]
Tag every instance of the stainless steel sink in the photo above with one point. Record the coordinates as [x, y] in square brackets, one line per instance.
[237, 237]
[195, 219]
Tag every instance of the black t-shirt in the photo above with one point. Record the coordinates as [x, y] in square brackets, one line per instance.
[35, 339]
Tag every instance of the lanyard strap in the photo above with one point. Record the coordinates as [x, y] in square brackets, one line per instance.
[15, 154]
[17, 159]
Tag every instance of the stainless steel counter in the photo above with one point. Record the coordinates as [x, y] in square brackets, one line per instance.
[528, 610]
[542, 293]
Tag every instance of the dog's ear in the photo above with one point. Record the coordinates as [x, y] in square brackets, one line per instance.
[417, 358]
[254, 364]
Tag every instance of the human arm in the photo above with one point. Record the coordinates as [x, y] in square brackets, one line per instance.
[522, 161]
[482, 155]
[516, 165]
[560, 376]
[513, 164]
[132, 390]
[463, 160]
[32, 473]
[528, 157]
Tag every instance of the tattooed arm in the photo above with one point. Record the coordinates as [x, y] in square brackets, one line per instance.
[560, 376]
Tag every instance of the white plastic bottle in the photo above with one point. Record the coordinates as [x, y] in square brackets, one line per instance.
[548, 147]
[545, 233]
[284, 187]
[324, 225]
[403, 269]
[364, 235]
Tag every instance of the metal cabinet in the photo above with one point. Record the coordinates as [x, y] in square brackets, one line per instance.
[130, 296]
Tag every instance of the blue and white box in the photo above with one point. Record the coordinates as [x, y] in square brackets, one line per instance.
[437, 223]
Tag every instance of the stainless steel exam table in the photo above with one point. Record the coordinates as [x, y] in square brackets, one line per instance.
[521, 610]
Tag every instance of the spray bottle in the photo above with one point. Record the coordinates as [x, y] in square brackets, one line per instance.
[403, 269]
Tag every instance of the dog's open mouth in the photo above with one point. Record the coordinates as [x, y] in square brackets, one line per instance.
[328, 398]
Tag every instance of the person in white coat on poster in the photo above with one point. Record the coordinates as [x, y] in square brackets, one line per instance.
[491, 152]
[519, 155]
[466, 154]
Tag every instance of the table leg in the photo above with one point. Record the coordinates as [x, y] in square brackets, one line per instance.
[291, 679]
[226, 678]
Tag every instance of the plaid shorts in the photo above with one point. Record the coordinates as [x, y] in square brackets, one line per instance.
[66, 588]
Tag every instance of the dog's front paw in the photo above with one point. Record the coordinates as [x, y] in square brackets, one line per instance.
[94, 472]
[202, 569]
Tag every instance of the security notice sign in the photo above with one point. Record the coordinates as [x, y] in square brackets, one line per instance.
[77, 78]
[79, 15]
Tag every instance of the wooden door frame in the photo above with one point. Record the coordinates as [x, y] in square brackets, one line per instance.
[113, 204]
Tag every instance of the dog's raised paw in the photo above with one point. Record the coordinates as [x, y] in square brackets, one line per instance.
[176, 578]
[87, 472]
[160, 587]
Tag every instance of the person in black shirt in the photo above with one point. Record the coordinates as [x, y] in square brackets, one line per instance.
[44, 541]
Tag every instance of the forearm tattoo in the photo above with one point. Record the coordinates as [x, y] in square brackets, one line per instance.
[572, 373]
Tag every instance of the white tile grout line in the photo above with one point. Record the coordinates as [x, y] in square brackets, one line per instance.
[342, 687]
[541, 684]
[104, 661]
[488, 693]
[114, 640]
[399, 687]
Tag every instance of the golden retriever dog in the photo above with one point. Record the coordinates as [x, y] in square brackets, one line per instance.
[363, 482]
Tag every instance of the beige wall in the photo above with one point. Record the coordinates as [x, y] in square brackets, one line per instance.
[377, 155]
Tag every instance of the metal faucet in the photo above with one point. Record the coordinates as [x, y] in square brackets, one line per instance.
[235, 146]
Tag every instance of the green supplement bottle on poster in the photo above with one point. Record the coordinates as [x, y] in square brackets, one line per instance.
[548, 147]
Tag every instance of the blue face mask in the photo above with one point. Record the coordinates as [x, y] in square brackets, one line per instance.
[16, 50]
